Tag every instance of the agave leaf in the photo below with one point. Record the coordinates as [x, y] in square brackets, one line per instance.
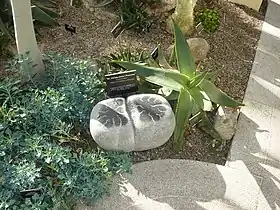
[163, 81]
[40, 15]
[210, 76]
[165, 91]
[4, 29]
[218, 96]
[201, 99]
[198, 79]
[206, 125]
[168, 93]
[162, 61]
[183, 112]
[196, 109]
[151, 62]
[195, 119]
[184, 58]
[173, 96]
[158, 74]
[44, 3]
[104, 3]
[47, 10]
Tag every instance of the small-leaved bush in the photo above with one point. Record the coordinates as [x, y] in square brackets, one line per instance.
[45, 145]
[209, 19]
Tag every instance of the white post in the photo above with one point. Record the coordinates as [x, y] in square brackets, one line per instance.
[25, 34]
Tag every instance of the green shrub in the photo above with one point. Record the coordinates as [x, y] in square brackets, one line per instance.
[209, 19]
[44, 138]
[125, 54]
[133, 14]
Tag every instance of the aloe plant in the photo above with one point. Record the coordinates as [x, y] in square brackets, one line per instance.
[196, 93]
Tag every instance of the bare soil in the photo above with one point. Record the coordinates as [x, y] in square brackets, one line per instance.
[231, 56]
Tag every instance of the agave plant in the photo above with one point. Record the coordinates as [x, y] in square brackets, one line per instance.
[42, 12]
[196, 93]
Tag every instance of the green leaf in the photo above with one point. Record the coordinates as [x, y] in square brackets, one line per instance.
[198, 79]
[46, 6]
[201, 99]
[206, 125]
[47, 10]
[153, 74]
[217, 96]
[164, 82]
[151, 62]
[183, 112]
[40, 15]
[162, 61]
[168, 93]
[44, 3]
[165, 91]
[184, 58]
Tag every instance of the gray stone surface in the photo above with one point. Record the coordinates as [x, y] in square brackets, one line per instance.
[143, 122]
[153, 120]
[256, 143]
[226, 121]
[199, 48]
[181, 184]
[110, 125]
[263, 85]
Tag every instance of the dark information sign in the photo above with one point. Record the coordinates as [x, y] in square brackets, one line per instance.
[121, 84]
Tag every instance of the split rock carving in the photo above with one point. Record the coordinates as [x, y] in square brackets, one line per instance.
[142, 122]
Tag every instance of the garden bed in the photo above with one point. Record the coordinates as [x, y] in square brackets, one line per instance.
[232, 50]
[231, 57]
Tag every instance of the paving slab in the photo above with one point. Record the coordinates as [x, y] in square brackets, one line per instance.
[256, 144]
[181, 184]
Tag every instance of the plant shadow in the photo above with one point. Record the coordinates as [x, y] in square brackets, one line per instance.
[256, 143]
[164, 186]
[250, 150]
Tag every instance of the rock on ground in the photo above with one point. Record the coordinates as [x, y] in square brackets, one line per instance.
[226, 121]
[144, 121]
[199, 48]
[110, 125]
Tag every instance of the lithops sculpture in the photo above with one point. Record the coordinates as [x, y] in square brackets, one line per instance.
[140, 122]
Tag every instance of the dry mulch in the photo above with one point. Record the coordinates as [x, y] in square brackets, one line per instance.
[231, 56]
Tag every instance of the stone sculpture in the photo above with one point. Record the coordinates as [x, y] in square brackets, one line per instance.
[141, 122]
